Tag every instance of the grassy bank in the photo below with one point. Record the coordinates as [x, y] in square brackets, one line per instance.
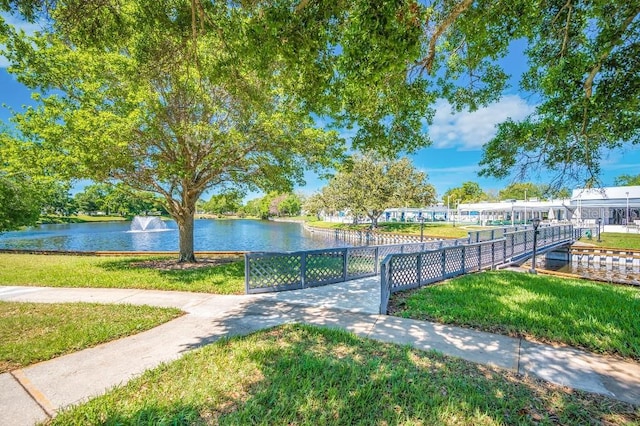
[306, 376]
[31, 332]
[598, 317]
[80, 219]
[431, 229]
[615, 240]
[117, 272]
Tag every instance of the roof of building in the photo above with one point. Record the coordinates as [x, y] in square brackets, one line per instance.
[607, 193]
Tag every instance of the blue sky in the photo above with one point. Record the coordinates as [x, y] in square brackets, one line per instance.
[457, 137]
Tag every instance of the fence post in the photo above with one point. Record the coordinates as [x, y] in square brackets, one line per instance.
[376, 260]
[479, 257]
[493, 255]
[247, 273]
[464, 260]
[444, 262]
[303, 270]
[345, 264]
[513, 243]
[385, 288]
[419, 265]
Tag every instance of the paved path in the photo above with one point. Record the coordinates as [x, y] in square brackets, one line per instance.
[35, 393]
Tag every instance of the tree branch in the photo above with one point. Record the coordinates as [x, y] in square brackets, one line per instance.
[427, 62]
[565, 40]
[588, 84]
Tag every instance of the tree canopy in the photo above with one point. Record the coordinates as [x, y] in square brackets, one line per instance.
[584, 59]
[529, 190]
[19, 203]
[627, 180]
[468, 192]
[367, 186]
[164, 103]
[193, 86]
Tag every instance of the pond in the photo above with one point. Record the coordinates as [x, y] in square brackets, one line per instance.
[209, 235]
[622, 274]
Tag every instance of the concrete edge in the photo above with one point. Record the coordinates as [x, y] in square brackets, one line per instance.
[34, 393]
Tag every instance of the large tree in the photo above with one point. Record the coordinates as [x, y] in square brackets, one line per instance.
[25, 191]
[584, 58]
[165, 98]
[367, 186]
[20, 204]
[468, 192]
[376, 66]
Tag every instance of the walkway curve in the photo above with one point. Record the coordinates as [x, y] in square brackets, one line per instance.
[34, 393]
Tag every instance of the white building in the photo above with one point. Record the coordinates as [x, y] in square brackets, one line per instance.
[614, 205]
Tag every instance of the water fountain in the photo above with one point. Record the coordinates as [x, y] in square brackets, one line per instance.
[147, 224]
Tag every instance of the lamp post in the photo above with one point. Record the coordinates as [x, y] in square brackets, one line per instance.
[525, 209]
[627, 210]
[599, 223]
[512, 213]
[421, 228]
[457, 203]
[536, 222]
[448, 209]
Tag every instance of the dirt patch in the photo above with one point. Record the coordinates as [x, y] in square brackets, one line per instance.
[174, 265]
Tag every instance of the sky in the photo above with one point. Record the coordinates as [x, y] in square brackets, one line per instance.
[457, 137]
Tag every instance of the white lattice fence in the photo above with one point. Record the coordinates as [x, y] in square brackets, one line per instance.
[412, 270]
[269, 272]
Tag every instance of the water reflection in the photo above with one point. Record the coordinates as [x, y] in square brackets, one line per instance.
[613, 272]
[209, 235]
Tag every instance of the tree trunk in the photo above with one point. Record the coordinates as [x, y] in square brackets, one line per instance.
[185, 229]
[374, 219]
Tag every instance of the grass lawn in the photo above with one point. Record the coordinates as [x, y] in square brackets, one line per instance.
[310, 376]
[117, 272]
[598, 317]
[431, 229]
[33, 332]
[80, 219]
[615, 240]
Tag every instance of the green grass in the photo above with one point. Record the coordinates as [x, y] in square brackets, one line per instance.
[80, 219]
[598, 317]
[308, 376]
[431, 229]
[31, 332]
[116, 272]
[615, 240]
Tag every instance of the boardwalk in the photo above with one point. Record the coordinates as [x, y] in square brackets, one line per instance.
[35, 393]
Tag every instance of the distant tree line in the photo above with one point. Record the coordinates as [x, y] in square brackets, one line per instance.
[273, 204]
[471, 192]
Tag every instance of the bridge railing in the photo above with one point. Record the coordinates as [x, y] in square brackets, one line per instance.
[278, 271]
[406, 271]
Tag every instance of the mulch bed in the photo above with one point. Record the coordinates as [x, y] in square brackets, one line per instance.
[173, 265]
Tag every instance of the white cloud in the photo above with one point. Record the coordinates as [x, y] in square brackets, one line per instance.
[470, 130]
[473, 168]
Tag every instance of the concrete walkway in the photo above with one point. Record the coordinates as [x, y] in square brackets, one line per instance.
[36, 392]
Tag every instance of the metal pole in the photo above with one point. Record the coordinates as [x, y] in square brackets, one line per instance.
[536, 223]
[512, 213]
[422, 229]
[599, 222]
[627, 210]
[525, 209]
